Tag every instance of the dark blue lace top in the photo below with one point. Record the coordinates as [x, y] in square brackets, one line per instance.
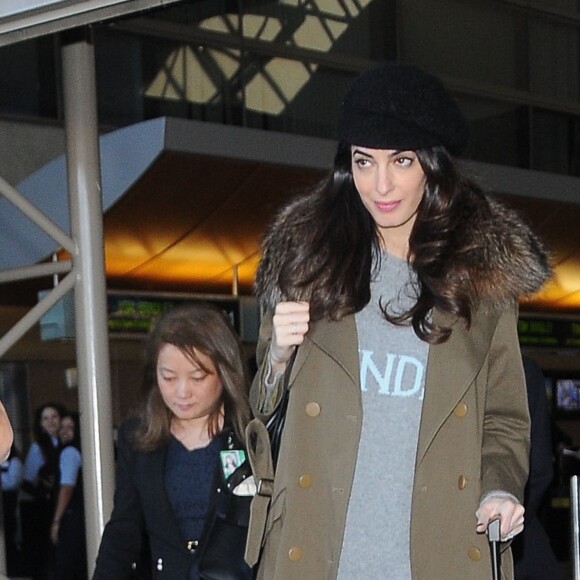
[188, 478]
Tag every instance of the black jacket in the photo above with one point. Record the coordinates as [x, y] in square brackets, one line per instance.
[142, 514]
[534, 558]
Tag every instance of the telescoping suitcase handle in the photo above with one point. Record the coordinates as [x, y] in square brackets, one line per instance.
[494, 538]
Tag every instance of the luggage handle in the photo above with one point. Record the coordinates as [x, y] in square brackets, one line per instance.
[494, 538]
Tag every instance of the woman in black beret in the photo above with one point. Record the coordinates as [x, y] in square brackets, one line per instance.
[396, 282]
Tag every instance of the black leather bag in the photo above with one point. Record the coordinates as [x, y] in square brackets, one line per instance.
[220, 555]
[275, 425]
[277, 419]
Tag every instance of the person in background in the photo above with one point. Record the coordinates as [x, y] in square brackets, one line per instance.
[195, 405]
[6, 434]
[397, 280]
[37, 497]
[12, 474]
[67, 531]
[534, 558]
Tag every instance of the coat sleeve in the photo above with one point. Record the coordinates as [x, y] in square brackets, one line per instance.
[264, 400]
[122, 538]
[506, 425]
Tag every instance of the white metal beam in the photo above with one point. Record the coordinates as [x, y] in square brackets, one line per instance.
[24, 19]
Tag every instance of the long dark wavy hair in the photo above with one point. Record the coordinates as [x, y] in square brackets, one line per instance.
[333, 265]
[191, 328]
[49, 451]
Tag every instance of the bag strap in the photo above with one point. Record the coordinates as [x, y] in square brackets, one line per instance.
[260, 456]
[263, 446]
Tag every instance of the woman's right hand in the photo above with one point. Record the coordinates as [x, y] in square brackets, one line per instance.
[290, 325]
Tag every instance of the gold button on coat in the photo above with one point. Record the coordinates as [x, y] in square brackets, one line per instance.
[474, 553]
[460, 410]
[305, 481]
[462, 482]
[295, 553]
[313, 409]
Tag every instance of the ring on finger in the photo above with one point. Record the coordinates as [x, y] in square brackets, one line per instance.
[294, 331]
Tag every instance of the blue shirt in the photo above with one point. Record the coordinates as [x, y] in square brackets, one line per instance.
[12, 472]
[35, 460]
[70, 462]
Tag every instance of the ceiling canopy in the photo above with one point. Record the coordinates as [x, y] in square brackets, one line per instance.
[186, 203]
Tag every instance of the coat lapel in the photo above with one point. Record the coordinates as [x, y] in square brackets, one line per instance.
[336, 339]
[451, 369]
[154, 480]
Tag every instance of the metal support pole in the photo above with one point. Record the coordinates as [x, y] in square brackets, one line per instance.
[235, 280]
[575, 526]
[92, 347]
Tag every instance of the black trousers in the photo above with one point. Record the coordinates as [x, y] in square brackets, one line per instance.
[37, 550]
[70, 555]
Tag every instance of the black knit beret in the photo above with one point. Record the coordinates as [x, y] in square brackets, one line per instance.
[399, 106]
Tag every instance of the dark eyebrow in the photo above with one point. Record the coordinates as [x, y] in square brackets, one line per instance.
[393, 154]
[355, 151]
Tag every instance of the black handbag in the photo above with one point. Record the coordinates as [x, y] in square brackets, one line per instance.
[276, 421]
[220, 555]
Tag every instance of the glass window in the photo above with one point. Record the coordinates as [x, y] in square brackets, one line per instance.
[191, 81]
[474, 41]
[28, 79]
[294, 97]
[551, 138]
[562, 7]
[550, 43]
[365, 29]
[119, 81]
[193, 12]
[499, 132]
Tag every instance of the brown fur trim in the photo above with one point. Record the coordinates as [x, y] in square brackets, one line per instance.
[504, 259]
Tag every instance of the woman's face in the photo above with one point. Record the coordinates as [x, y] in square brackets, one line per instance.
[190, 392]
[50, 421]
[391, 185]
[66, 433]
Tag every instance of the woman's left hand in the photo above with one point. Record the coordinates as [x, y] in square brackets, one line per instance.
[510, 511]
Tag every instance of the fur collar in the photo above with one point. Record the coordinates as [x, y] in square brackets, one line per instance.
[505, 261]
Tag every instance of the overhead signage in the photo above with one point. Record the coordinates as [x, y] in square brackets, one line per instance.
[549, 332]
[135, 314]
[132, 314]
